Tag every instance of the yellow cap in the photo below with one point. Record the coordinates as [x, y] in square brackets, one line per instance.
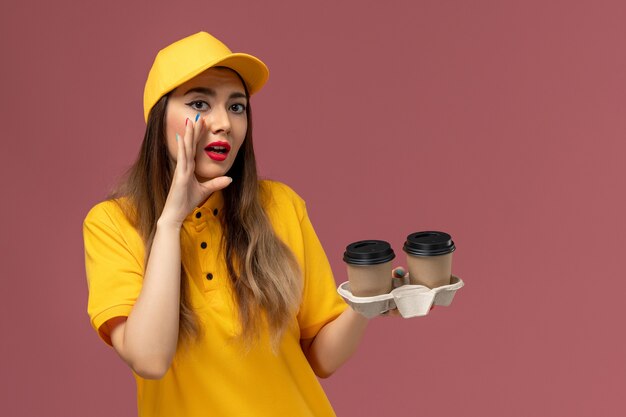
[188, 57]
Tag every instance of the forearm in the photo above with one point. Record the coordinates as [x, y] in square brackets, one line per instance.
[151, 331]
[336, 342]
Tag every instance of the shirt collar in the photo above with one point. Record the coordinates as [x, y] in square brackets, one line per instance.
[207, 211]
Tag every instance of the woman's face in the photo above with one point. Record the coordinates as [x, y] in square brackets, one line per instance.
[218, 96]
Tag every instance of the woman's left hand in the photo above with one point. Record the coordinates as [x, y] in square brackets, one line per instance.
[397, 272]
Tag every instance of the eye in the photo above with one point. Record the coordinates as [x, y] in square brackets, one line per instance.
[198, 105]
[238, 108]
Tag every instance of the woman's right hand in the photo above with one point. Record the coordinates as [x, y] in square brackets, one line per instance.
[186, 192]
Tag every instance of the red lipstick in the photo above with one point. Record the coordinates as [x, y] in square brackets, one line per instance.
[217, 151]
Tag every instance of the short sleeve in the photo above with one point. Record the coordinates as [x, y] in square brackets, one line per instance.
[321, 303]
[114, 264]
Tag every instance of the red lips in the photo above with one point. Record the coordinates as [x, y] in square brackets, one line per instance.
[217, 151]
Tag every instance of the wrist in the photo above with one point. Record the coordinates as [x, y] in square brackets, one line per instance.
[168, 224]
[355, 318]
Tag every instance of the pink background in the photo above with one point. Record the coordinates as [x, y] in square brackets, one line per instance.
[501, 122]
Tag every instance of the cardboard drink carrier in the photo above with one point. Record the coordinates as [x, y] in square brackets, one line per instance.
[371, 291]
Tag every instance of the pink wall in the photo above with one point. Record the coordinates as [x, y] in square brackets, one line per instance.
[501, 122]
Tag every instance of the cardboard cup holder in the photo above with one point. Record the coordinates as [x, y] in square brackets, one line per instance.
[410, 300]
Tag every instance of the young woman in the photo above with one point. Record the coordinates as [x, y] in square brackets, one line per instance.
[210, 284]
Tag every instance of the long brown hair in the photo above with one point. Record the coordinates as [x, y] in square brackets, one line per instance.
[264, 272]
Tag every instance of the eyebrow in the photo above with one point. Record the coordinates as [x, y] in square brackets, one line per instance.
[210, 92]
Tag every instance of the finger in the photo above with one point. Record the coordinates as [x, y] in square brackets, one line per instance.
[190, 155]
[399, 272]
[199, 129]
[181, 162]
[399, 277]
[216, 184]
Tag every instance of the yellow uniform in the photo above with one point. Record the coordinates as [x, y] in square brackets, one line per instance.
[215, 376]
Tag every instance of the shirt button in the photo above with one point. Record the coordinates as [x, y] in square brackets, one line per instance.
[209, 276]
[215, 212]
[198, 215]
[203, 245]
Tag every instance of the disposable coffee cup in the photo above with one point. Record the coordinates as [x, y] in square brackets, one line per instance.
[369, 267]
[429, 258]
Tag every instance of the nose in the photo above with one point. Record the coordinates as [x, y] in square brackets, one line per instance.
[219, 121]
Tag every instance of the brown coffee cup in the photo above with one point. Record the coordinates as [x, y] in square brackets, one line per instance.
[369, 267]
[429, 258]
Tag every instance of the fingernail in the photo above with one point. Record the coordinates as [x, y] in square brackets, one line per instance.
[177, 137]
[197, 117]
[400, 272]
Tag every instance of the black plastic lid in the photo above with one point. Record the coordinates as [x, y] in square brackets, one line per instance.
[430, 243]
[368, 252]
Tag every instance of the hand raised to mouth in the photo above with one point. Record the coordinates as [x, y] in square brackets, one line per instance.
[186, 192]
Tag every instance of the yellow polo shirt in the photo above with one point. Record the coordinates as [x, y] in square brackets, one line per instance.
[215, 376]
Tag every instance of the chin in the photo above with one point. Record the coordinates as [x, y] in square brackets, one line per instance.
[209, 174]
